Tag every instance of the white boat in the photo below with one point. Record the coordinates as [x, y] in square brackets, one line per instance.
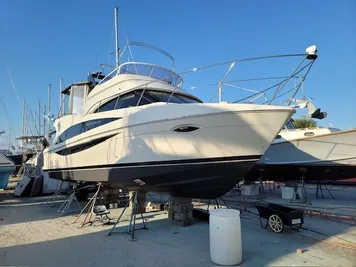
[181, 146]
[137, 127]
[319, 153]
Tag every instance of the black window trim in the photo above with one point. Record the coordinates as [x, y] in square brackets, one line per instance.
[84, 129]
[81, 147]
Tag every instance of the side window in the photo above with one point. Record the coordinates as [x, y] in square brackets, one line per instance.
[187, 99]
[131, 99]
[108, 105]
[83, 127]
[147, 98]
[70, 132]
[128, 100]
[164, 96]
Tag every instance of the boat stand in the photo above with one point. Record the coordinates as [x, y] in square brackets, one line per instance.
[90, 205]
[55, 196]
[261, 190]
[301, 185]
[217, 203]
[63, 209]
[319, 186]
[132, 225]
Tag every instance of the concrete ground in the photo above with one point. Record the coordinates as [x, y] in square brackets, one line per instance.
[33, 234]
[341, 201]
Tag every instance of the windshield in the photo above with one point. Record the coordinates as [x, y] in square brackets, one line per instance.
[289, 125]
[152, 71]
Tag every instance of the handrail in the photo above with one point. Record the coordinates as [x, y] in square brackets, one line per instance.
[105, 78]
[175, 86]
[151, 47]
[153, 67]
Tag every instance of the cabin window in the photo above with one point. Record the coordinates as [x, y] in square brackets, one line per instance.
[83, 127]
[289, 125]
[164, 96]
[81, 147]
[131, 99]
[128, 100]
[108, 105]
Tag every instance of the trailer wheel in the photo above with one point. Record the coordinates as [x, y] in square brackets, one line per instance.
[276, 224]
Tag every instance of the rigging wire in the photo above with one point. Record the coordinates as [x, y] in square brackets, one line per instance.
[271, 87]
[7, 116]
[17, 97]
[111, 41]
[243, 80]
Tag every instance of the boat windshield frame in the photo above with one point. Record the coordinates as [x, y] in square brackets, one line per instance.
[147, 70]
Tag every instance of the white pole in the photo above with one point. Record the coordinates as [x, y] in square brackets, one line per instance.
[23, 117]
[49, 110]
[60, 98]
[220, 93]
[117, 49]
[44, 121]
[39, 117]
[10, 139]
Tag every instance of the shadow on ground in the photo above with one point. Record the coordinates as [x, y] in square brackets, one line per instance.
[164, 244]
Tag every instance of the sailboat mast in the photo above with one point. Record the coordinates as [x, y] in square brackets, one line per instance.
[117, 49]
[44, 121]
[49, 111]
[39, 117]
[10, 139]
[23, 117]
[60, 98]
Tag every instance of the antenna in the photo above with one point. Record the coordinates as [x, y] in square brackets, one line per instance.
[117, 49]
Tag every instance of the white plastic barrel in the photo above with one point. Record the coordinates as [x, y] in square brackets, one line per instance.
[289, 192]
[225, 237]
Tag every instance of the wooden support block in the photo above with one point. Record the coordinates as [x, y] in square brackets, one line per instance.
[183, 208]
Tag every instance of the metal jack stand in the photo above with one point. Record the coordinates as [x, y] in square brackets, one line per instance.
[301, 185]
[90, 204]
[63, 209]
[53, 198]
[261, 190]
[217, 203]
[319, 186]
[131, 228]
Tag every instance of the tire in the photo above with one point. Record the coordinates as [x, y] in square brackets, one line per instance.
[275, 223]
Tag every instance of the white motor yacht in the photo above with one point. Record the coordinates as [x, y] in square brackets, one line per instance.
[137, 127]
[319, 153]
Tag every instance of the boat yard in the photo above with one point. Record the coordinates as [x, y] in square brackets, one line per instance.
[33, 234]
[148, 160]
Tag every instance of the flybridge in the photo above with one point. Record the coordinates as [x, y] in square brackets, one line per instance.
[138, 78]
[133, 83]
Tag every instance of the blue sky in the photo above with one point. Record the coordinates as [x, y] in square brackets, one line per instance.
[42, 41]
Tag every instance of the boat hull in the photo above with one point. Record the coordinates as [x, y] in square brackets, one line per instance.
[202, 178]
[326, 157]
[202, 154]
[4, 175]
